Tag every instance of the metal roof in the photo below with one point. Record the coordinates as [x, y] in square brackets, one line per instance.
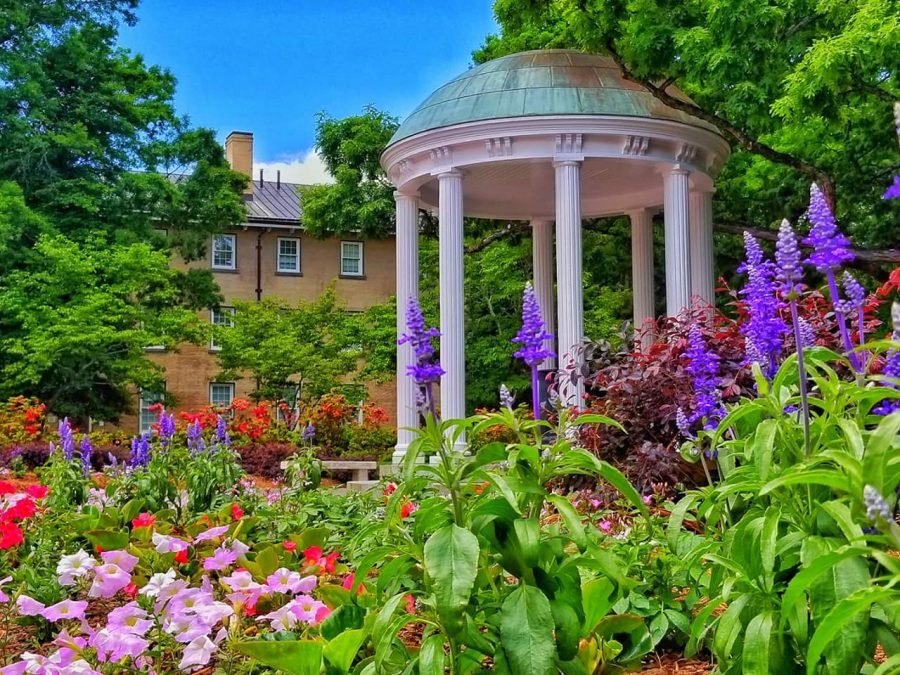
[537, 83]
[271, 202]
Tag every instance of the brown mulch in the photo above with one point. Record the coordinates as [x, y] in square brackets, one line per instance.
[675, 664]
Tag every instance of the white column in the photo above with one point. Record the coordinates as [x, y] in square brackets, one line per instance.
[678, 240]
[642, 273]
[702, 265]
[542, 258]
[569, 291]
[450, 253]
[407, 247]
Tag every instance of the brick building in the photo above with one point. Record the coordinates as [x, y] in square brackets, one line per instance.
[270, 255]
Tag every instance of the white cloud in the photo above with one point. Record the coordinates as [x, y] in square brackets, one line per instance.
[307, 169]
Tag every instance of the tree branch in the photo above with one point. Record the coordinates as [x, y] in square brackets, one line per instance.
[865, 258]
[731, 132]
[509, 230]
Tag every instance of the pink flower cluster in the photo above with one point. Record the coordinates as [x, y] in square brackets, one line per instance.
[196, 616]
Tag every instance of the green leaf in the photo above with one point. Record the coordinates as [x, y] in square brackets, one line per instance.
[618, 480]
[835, 622]
[806, 576]
[528, 535]
[762, 446]
[298, 657]
[572, 520]
[769, 539]
[597, 599]
[451, 560]
[568, 628]
[107, 539]
[341, 651]
[431, 656]
[757, 645]
[806, 476]
[526, 632]
[880, 441]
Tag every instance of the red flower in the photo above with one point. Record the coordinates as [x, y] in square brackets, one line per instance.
[37, 491]
[7, 488]
[389, 490]
[330, 560]
[156, 407]
[410, 604]
[144, 520]
[32, 415]
[99, 549]
[348, 584]
[32, 429]
[131, 590]
[21, 510]
[313, 555]
[407, 508]
[181, 557]
[321, 614]
[236, 511]
[250, 610]
[290, 546]
[10, 535]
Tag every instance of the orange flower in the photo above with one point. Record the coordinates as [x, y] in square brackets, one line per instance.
[407, 509]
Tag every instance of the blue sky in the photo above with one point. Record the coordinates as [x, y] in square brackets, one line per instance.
[269, 66]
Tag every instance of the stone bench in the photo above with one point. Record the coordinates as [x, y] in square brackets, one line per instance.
[359, 469]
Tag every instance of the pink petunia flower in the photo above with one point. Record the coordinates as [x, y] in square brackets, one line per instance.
[130, 619]
[121, 558]
[198, 652]
[221, 559]
[28, 606]
[71, 567]
[166, 544]
[65, 609]
[109, 579]
[211, 533]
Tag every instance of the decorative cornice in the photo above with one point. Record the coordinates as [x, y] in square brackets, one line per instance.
[636, 146]
[568, 144]
[441, 155]
[499, 147]
[685, 153]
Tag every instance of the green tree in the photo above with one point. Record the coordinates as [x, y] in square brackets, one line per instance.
[94, 160]
[310, 347]
[802, 89]
[361, 198]
[75, 322]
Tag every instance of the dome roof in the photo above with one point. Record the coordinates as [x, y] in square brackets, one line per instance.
[539, 83]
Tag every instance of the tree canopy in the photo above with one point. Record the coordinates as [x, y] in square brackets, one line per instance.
[802, 89]
[309, 347]
[94, 161]
[361, 198]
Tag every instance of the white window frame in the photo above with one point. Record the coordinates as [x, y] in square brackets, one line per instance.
[358, 245]
[145, 400]
[283, 270]
[233, 264]
[224, 316]
[229, 385]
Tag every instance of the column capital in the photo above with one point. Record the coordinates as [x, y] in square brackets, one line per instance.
[400, 196]
[675, 170]
[634, 214]
[567, 162]
[696, 189]
[452, 172]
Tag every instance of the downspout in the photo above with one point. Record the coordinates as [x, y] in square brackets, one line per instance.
[259, 289]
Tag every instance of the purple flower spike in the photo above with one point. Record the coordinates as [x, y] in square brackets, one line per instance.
[140, 451]
[87, 451]
[424, 372]
[787, 257]
[856, 294]
[831, 249]
[765, 330]
[195, 441]
[532, 337]
[703, 366]
[67, 439]
[309, 432]
[506, 398]
[893, 191]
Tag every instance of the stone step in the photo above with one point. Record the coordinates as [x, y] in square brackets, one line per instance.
[387, 470]
[361, 485]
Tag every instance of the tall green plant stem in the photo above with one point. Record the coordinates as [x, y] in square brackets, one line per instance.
[801, 369]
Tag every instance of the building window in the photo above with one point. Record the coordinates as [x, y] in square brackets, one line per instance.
[221, 394]
[288, 255]
[224, 249]
[351, 258]
[220, 318]
[146, 417]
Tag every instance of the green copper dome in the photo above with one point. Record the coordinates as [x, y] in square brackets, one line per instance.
[536, 83]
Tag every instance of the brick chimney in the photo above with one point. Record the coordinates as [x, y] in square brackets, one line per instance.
[239, 152]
